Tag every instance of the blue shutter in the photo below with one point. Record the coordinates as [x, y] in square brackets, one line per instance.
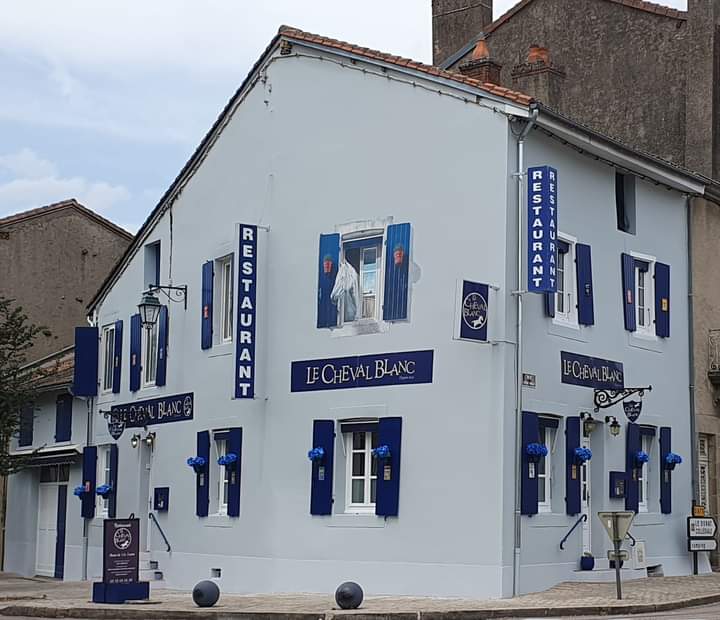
[665, 474]
[628, 296]
[135, 351]
[85, 379]
[586, 310]
[632, 486]
[206, 318]
[395, 300]
[117, 360]
[112, 498]
[234, 444]
[202, 480]
[550, 304]
[387, 497]
[662, 300]
[27, 420]
[63, 417]
[89, 473]
[59, 572]
[321, 485]
[572, 469]
[528, 481]
[329, 257]
[163, 330]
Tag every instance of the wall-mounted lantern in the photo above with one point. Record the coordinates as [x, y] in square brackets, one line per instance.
[149, 306]
[614, 425]
[588, 422]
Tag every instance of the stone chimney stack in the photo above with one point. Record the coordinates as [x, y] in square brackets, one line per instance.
[702, 103]
[539, 77]
[481, 66]
[456, 23]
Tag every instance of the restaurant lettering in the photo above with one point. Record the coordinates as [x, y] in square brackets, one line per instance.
[542, 229]
[246, 314]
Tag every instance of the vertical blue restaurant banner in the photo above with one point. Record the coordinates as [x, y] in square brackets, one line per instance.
[246, 313]
[542, 229]
[474, 311]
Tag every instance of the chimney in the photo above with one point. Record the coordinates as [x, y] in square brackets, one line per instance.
[455, 23]
[481, 66]
[539, 77]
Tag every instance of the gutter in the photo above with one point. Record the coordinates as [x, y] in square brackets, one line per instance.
[691, 356]
[520, 177]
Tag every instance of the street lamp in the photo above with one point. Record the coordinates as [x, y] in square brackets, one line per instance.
[149, 308]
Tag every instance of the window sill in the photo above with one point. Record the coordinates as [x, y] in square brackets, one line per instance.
[356, 520]
[361, 327]
[648, 518]
[550, 519]
[221, 349]
[567, 330]
[217, 520]
[649, 342]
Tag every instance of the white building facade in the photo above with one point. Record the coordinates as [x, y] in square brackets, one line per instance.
[347, 234]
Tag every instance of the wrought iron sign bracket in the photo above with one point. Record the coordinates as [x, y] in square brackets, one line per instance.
[607, 398]
[173, 293]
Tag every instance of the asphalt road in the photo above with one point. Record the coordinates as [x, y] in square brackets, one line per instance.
[706, 612]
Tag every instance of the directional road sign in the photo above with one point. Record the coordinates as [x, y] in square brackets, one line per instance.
[702, 544]
[616, 524]
[701, 527]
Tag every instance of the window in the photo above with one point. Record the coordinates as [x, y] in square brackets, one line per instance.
[108, 348]
[644, 297]
[544, 468]
[222, 477]
[149, 354]
[565, 297]
[644, 474]
[152, 265]
[224, 271]
[103, 477]
[625, 202]
[361, 478]
[357, 289]
[55, 473]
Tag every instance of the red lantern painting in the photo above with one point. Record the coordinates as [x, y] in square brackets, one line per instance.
[327, 264]
[399, 254]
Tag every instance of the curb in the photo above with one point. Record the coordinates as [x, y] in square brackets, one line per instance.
[120, 612]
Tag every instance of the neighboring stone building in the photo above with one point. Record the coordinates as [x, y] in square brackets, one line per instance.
[53, 260]
[645, 74]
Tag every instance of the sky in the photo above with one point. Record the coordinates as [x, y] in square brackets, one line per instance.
[105, 101]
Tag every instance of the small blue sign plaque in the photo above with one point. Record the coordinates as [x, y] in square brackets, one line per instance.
[358, 371]
[592, 372]
[542, 229]
[474, 311]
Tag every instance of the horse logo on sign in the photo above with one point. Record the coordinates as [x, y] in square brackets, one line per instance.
[632, 409]
[116, 426]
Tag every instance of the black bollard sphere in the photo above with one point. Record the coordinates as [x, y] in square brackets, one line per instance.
[206, 593]
[349, 595]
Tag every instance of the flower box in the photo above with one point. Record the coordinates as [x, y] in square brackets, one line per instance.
[535, 451]
[381, 452]
[641, 458]
[104, 490]
[197, 463]
[671, 460]
[228, 460]
[582, 455]
[316, 454]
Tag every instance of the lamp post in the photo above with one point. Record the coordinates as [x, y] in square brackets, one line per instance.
[149, 308]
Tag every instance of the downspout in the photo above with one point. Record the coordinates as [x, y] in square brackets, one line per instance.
[691, 355]
[88, 441]
[519, 176]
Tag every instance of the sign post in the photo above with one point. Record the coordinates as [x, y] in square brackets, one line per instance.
[701, 537]
[617, 525]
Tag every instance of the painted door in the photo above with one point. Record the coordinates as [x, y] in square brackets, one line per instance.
[47, 529]
[585, 499]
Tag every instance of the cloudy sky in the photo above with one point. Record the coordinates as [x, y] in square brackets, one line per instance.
[105, 101]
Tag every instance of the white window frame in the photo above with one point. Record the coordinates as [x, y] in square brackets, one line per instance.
[223, 478]
[646, 443]
[150, 362]
[108, 342]
[647, 330]
[545, 479]
[103, 477]
[225, 298]
[366, 507]
[381, 234]
[568, 317]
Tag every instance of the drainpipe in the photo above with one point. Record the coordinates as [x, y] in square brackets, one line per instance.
[691, 354]
[519, 176]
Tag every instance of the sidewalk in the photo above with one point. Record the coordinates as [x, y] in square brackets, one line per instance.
[51, 599]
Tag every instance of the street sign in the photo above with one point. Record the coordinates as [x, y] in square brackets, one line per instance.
[702, 544]
[622, 555]
[701, 527]
[616, 524]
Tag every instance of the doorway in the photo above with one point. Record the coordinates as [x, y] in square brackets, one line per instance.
[585, 499]
[52, 505]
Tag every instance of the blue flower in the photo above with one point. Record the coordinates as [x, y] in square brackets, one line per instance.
[642, 457]
[673, 459]
[381, 452]
[196, 461]
[228, 459]
[536, 449]
[79, 491]
[316, 454]
[103, 490]
[583, 454]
